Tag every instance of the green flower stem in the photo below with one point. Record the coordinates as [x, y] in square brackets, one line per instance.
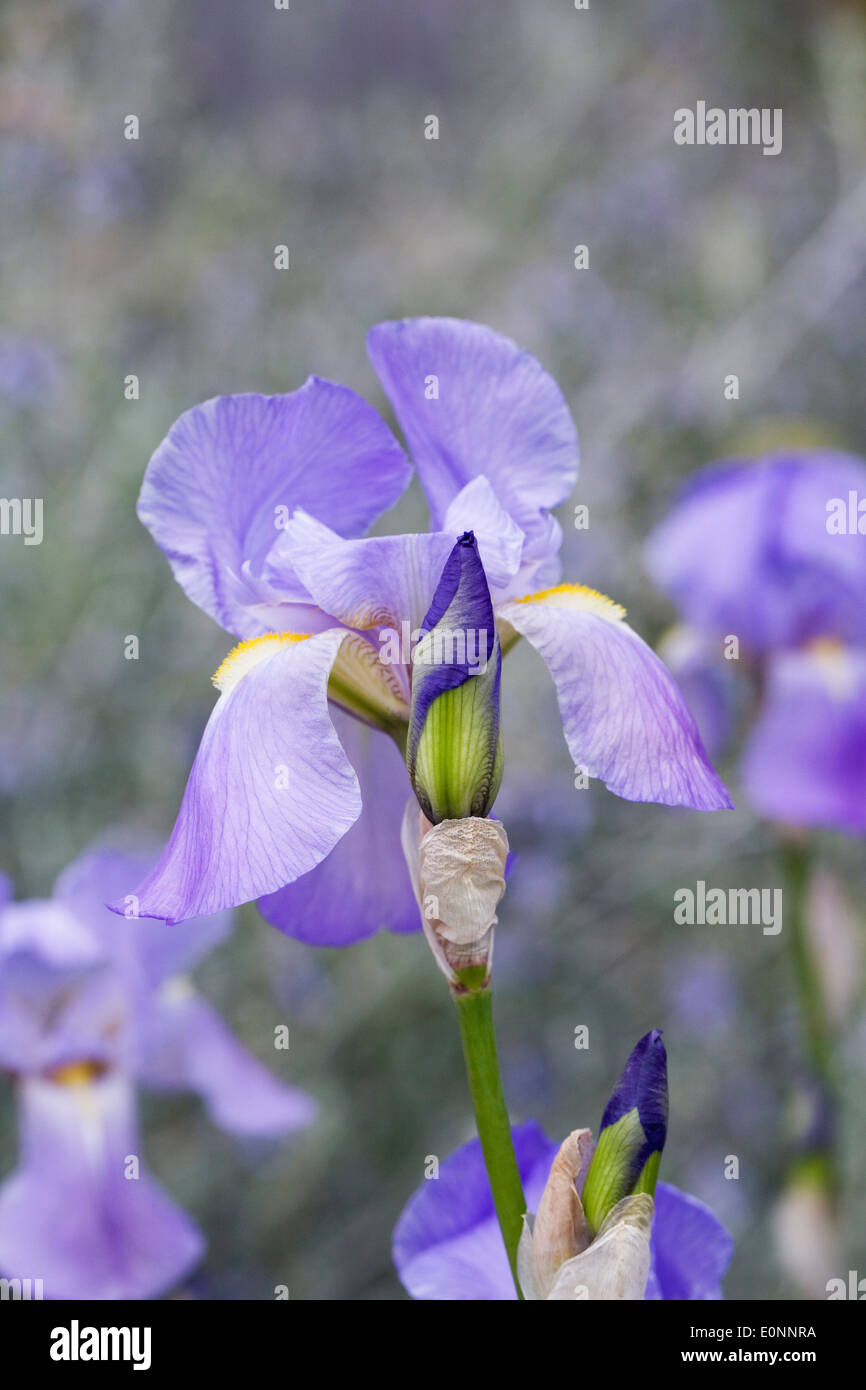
[818, 1032]
[475, 1013]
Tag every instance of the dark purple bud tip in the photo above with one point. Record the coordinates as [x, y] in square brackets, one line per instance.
[643, 1085]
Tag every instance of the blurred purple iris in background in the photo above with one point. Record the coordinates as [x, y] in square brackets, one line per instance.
[773, 552]
[260, 504]
[447, 1243]
[91, 1007]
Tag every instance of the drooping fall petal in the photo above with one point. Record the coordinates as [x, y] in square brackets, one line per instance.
[271, 790]
[623, 716]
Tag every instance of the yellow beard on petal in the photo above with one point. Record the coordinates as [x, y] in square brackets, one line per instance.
[578, 596]
[360, 681]
[834, 665]
[246, 655]
[76, 1073]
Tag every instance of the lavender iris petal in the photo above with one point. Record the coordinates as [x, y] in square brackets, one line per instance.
[470, 402]
[231, 470]
[75, 1213]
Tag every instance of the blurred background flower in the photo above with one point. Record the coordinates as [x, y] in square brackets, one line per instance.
[766, 562]
[156, 258]
[91, 1006]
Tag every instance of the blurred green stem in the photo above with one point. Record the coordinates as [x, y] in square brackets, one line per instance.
[475, 1013]
[817, 1027]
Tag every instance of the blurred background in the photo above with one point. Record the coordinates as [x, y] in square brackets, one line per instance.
[155, 257]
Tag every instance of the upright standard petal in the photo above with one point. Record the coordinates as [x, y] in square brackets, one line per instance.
[476, 508]
[471, 403]
[379, 582]
[623, 716]
[271, 790]
[381, 587]
[232, 470]
[184, 1045]
[363, 885]
[690, 1249]
[447, 1242]
[755, 549]
[805, 759]
[79, 1213]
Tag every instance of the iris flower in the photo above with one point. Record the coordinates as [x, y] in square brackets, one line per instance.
[773, 552]
[260, 505]
[90, 1007]
[603, 1229]
[447, 1243]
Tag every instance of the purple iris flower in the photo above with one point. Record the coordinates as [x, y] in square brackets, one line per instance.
[447, 1243]
[260, 504]
[773, 552]
[90, 1007]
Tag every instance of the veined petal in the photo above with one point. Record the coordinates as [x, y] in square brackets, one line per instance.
[71, 1216]
[271, 790]
[476, 508]
[363, 885]
[219, 485]
[623, 716]
[691, 1249]
[805, 760]
[367, 685]
[184, 1045]
[381, 587]
[492, 410]
[374, 583]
